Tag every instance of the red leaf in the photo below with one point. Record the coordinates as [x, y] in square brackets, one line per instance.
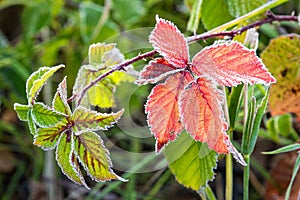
[230, 64]
[202, 114]
[170, 43]
[157, 70]
[162, 109]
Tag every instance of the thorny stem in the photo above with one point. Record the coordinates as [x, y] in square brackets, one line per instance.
[116, 68]
[270, 17]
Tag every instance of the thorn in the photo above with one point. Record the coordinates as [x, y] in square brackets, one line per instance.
[269, 14]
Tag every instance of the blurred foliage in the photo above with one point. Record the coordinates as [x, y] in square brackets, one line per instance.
[36, 33]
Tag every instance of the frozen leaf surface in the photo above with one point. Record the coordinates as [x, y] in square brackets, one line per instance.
[163, 109]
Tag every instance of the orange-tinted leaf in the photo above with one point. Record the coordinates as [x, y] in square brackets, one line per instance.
[170, 43]
[162, 109]
[202, 114]
[282, 57]
[155, 71]
[230, 64]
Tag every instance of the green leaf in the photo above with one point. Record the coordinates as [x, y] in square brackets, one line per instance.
[22, 111]
[191, 162]
[94, 157]
[193, 22]
[83, 119]
[288, 148]
[105, 100]
[220, 14]
[282, 59]
[37, 80]
[121, 76]
[60, 103]
[102, 57]
[44, 116]
[295, 171]
[101, 94]
[235, 103]
[284, 124]
[96, 53]
[67, 159]
[238, 8]
[47, 138]
[31, 124]
[249, 126]
[258, 115]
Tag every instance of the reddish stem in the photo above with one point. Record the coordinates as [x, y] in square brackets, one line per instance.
[115, 68]
[270, 17]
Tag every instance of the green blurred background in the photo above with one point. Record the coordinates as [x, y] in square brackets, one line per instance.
[46, 33]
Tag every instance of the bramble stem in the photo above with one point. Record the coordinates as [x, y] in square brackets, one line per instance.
[115, 68]
[270, 17]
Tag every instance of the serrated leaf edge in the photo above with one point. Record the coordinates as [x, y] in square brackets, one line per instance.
[212, 169]
[219, 43]
[165, 75]
[48, 108]
[107, 155]
[62, 97]
[158, 19]
[106, 127]
[23, 106]
[76, 172]
[50, 69]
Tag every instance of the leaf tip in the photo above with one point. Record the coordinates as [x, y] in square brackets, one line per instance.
[159, 146]
[121, 179]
